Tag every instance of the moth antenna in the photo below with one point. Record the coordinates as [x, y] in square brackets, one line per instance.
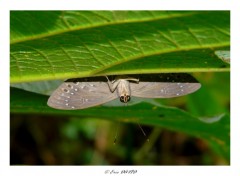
[115, 138]
[143, 131]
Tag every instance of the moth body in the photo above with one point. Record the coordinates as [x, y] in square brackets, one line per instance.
[122, 85]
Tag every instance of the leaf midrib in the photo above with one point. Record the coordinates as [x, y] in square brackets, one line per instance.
[154, 54]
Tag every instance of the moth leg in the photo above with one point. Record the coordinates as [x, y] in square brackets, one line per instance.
[133, 79]
[112, 85]
[128, 78]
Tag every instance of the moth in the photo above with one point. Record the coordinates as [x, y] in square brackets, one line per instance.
[81, 93]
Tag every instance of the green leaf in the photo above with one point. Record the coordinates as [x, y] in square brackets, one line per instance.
[214, 129]
[67, 44]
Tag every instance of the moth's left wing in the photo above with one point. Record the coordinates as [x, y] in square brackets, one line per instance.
[80, 94]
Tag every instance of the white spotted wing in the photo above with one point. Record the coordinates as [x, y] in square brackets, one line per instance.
[80, 94]
[165, 86]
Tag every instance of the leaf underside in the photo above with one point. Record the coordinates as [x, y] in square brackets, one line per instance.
[89, 43]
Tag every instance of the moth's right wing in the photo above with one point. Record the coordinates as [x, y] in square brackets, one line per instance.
[164, 85]
[80, 94]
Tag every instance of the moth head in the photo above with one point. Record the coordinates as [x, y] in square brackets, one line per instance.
[125, 98]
